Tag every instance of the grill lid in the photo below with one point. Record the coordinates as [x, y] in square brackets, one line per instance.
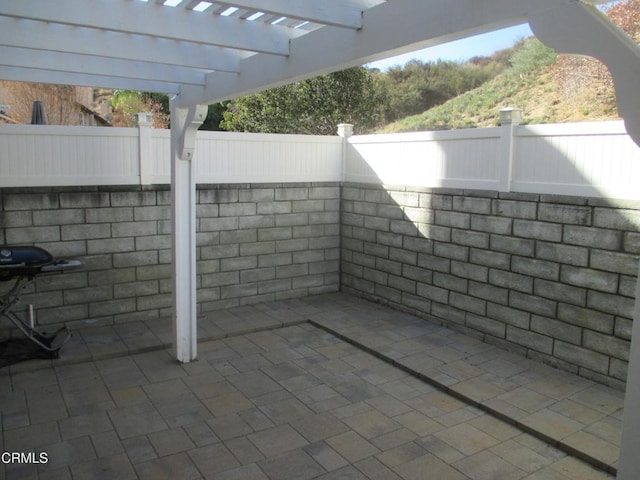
[23, 256]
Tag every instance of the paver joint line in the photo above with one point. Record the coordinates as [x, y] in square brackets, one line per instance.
[471, 401]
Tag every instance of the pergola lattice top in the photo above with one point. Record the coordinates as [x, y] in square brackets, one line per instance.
[157, 45]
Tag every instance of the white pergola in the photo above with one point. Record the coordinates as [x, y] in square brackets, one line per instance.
[203, 52]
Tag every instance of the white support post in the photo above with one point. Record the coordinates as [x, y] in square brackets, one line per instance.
[145, 162]
[629, 462]
[509, 119]
[184, 125]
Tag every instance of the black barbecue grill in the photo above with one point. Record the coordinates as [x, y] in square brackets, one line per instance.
[21, 265]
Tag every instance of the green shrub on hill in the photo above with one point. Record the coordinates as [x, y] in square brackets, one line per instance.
[529, 83]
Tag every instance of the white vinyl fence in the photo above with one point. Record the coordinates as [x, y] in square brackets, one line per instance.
[36, 155]
[594, 159]
[253, 158]
[42, 155]
[455, 158]
[588, 159]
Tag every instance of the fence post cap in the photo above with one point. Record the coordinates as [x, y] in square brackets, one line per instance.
[144, 119]
[510, 116]
[345, 130]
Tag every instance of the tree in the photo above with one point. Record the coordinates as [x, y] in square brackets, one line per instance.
[215, 113]
[418, 86]
[127, 103]
[314, 106]
[530, 57]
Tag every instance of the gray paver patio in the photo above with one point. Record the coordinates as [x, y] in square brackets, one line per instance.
[327, 387]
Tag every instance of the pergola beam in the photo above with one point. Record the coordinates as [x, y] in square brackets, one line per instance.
[328, 12]
[100, 43]
[139, 18]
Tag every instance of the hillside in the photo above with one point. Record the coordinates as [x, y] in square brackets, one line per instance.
[548, 88]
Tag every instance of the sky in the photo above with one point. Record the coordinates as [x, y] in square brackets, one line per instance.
[461, 50]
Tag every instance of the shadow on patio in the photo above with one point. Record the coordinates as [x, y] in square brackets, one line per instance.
[328, 386]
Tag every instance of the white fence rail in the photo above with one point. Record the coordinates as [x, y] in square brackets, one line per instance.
[590, 159]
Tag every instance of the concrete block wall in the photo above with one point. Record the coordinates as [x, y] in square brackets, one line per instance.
[551, 277]
[267, 242]
[254, 243]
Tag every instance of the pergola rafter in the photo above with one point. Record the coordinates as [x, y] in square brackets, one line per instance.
[103, 67]
[158, 21]
[347, 14]
[39, 75]
[91, 42]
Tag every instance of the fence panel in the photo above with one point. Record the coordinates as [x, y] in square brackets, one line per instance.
[458, 159]
[59, 156]
[256, 158]
[45, 155]
[588, 159]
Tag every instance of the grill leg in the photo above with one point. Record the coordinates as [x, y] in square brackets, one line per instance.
[52, 342]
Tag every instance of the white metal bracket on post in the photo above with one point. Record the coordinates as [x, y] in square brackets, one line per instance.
[184, 126]
[193, 118]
